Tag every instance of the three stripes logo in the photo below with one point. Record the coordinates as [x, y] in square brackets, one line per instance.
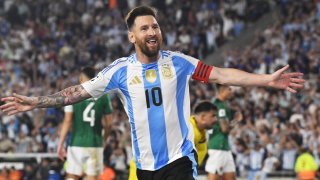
[135, 80]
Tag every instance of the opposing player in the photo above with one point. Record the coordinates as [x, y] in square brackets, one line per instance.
[85, 151]
[220, 161]
[153, 86]
[204, 117]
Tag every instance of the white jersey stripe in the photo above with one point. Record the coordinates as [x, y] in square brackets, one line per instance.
[139, 127]
[167, 72]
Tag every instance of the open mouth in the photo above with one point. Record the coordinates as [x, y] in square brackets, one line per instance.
[152, 42]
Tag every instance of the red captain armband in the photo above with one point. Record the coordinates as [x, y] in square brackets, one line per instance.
[202, 72]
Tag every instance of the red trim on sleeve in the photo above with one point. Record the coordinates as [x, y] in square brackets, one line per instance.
[202, 72]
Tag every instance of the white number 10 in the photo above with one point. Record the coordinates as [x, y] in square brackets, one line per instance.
[89, 114]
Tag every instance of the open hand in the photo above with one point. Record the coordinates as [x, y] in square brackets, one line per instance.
[17, 103]
[289, 81]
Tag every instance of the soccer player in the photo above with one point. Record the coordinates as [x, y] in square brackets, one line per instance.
[204, 117]
[153, 87]
[85, 150]
[220, 161]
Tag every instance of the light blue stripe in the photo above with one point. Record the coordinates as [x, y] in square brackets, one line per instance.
[183, 69]
[121, 76]
[156, 119]
[192, 158]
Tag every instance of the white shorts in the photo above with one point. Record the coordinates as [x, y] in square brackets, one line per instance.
[88, 160]
[220, 162]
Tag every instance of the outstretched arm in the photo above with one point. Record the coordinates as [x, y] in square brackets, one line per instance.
[280, 80]
[18, 103]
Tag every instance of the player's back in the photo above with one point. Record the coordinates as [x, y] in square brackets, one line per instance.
[87, 122]
[217, 139]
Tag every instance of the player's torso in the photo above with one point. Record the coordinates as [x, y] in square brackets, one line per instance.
[154, 96]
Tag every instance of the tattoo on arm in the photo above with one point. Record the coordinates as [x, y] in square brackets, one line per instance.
[67, 96]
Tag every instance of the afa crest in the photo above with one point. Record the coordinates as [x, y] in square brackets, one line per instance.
[166, 71]
[151, 75]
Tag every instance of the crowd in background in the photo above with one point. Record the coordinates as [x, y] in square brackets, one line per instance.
[43, 45]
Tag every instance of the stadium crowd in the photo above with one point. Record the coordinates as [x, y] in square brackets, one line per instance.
[44, 43]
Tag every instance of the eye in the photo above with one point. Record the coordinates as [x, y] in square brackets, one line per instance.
[155, 26]
[144, 28]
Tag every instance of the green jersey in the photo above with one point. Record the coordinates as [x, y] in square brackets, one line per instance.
[217, 139]
[87, 121]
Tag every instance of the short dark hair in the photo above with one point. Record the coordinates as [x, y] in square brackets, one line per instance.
[89, 72]
[139, 11]
[204, 106]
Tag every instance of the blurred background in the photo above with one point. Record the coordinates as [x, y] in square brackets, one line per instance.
[44, 44]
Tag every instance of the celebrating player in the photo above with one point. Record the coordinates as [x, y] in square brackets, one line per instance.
[153, 87]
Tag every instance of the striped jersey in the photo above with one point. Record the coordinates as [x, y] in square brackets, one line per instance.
[156, 98]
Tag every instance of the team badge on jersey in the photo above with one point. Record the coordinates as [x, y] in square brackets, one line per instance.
[166, 71]
[151, 75]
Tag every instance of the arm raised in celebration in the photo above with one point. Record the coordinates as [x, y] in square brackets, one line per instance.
[19, 103]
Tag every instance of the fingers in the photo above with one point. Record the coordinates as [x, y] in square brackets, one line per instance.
[61, 156]
[295, 85]
[297, 80]
[7, 105]
[283, 69]
[18, 97]
[291, 90]
[8, 99]
[11, 108]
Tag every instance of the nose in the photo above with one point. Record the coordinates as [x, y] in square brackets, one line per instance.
[151, 32]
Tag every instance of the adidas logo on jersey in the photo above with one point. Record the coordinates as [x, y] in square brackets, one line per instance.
[135, 80]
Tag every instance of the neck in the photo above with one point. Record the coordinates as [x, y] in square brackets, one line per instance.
[200, 126]
[144, 59]
[221, 97]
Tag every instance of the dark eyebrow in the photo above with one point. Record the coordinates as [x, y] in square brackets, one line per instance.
[143, 26]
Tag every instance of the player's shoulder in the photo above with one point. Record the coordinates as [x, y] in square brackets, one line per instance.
[172, 53]
[116, 65]
[179, 56]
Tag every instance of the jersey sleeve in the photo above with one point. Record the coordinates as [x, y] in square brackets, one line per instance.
[68, 108]
[106, 79]
[196, 68]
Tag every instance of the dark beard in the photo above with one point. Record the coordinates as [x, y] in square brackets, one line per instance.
[149, 53]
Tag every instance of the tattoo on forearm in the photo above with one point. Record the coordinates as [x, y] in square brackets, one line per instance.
[67, 96]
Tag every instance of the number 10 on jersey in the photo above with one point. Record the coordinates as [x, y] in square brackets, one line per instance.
[154, 96]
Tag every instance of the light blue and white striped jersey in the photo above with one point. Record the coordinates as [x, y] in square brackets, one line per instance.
[156, 98]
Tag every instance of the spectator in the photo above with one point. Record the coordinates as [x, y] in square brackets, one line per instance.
[6, 145]
[306, 166]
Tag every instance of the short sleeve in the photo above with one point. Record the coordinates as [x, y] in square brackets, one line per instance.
[68, 108]
[106, 79]
[194, 67]
[189, 62]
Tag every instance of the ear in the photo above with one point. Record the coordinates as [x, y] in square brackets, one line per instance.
[131, 37]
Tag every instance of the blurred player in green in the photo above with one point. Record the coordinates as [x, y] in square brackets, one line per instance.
[220, 161]
[88, 118]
